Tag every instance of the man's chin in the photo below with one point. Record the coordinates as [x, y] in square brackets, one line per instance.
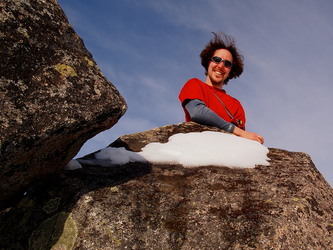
[217, 84]
[217, 81]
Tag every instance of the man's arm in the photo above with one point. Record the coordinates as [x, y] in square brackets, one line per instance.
[200, 113]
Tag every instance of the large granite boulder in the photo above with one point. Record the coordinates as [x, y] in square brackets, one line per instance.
[287, 205]
[53, 95]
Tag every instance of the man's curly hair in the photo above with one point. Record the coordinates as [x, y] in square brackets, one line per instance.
[228, 43]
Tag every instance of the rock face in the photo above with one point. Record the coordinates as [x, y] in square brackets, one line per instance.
[287, 205]
[53, 95]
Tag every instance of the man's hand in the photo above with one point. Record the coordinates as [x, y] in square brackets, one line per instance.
[248, 135]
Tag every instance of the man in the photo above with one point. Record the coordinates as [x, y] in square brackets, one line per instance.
[206, 102]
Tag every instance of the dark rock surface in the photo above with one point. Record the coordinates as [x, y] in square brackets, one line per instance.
[53, 95]
[287, 205]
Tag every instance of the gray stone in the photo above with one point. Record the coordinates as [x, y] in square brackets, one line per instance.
[287, 205]
[53, 95]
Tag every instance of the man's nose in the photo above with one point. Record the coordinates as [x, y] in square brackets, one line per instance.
[221, 65]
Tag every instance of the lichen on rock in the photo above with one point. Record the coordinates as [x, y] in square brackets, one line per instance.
[65, 70]
[57, 232]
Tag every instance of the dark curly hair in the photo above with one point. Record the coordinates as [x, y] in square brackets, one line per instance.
[228, 43]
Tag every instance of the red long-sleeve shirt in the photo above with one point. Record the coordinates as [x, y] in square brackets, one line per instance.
[196, 89]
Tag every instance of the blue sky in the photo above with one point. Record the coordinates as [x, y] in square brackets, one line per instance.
[148, 49]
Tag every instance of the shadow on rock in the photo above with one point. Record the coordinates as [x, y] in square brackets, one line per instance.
[42, 218]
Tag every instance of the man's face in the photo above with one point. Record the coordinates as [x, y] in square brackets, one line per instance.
[218, 72]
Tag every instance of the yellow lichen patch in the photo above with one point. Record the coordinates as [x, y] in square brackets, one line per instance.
[114, 189]
[26, 202]
[52, 205]
[90, 63]
[93, 64]
[65, 70]
[112, 236]
[68, 236]
[58, 232]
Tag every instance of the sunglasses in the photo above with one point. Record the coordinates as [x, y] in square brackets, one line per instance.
[218, 60]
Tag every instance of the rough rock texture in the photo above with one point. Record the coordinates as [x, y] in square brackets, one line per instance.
[287, 205]
[53, 95]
